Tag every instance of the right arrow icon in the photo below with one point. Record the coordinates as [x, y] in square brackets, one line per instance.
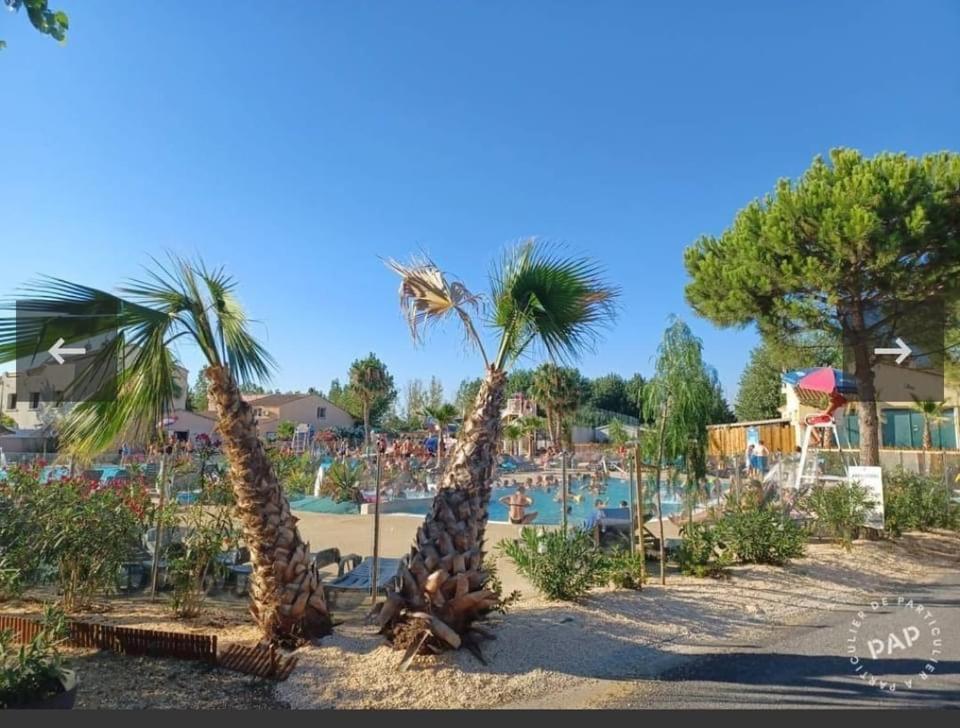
[902, 350]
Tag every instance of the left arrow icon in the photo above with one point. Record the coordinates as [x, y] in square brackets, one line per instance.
[58, 351]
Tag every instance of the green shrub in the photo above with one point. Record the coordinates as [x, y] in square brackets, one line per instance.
[761, 536]
[342, 481]
[32, 672]
[209, 532]
[623, 569]
[700, 553]
[296, 473]
[914, 502]
[560, 566]
[495, 584]
[83, 531]
[840, 509]
[11, 579]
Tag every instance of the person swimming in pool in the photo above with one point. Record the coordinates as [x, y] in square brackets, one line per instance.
[517, 504]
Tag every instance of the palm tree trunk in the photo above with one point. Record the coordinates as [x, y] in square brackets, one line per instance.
[286, 595]
[441, 590]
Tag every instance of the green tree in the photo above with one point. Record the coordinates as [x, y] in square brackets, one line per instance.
[519, 382]
[634, 388]
[442, 415]
[285, 430]
[434, 393]
[609, 392]
[7, 421]
[467, 394]
[719, 412]
[759, 396]
[54, 23]
[617, 433]
[537, 297]
[197, 400]
[853, 242]
[933, 413]
[559, 391]
[415, 400]
[372, 386]
[512, 433]
[679, 398]
[186, 302]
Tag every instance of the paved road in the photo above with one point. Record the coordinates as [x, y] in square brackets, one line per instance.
[829, 663]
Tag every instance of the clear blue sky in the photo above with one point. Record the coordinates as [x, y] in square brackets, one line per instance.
[295, 142]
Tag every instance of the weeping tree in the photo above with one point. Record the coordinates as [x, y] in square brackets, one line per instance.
[538, 299]
[179, 303]
[679, 398]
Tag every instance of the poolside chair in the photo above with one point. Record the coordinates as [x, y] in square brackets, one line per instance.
[240, 571]
[358, 580]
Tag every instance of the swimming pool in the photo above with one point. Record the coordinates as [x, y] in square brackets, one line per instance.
[545, 505]
[550, 511]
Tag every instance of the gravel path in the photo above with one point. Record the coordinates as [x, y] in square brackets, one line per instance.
[110, 681]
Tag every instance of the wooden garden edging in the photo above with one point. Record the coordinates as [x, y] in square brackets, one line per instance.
[124, 640]
[260, 661]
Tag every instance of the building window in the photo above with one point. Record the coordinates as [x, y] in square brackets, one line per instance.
[321, 413]
[11, 402]
[34, 400]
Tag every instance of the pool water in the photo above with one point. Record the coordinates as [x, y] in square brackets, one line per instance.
[549, 511]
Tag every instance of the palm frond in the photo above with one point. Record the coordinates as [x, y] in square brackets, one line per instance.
[246, 357]
[541, 296]
[428, 296]
[175, 300]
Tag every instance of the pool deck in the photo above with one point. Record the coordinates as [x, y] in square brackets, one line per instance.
[354, 534]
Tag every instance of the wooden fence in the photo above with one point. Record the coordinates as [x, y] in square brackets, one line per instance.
[729, 440]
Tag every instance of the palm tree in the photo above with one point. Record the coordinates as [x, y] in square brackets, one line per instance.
[531, 425]
[443, 415]
[933, 414]
[370, 382]
[537, 297]
[512, 432]
[558, 390]
[185, 302]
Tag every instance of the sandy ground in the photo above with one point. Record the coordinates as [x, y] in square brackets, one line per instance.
[546, 649]
[543, 651]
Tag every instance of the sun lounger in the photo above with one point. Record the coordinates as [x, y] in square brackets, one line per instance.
[359, 579]
[241, 572]
[617, 518]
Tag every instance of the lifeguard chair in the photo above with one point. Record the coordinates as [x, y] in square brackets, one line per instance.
[823, 388]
